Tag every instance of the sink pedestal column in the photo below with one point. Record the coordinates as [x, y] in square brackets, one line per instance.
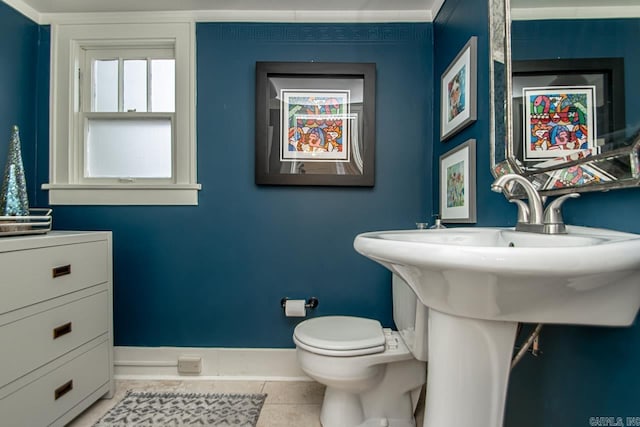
[469, 363]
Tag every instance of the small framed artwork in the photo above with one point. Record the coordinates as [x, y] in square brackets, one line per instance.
[315, 123]
[459, 91]
[458, 184]
[559, 121]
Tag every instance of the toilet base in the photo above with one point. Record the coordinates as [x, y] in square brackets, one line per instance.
[342, 409]
[390, 403]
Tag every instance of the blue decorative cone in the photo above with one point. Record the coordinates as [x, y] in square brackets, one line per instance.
[13, 199]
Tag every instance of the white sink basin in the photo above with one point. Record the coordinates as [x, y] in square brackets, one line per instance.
[480, 282]
[588, 276]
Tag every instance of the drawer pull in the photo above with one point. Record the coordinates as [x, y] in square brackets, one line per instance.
[63, 270]
[63, 389]
[61, 330]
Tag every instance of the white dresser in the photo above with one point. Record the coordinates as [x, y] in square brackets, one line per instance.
[56, 336]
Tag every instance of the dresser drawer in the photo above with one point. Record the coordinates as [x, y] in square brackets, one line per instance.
[34, 341]
[34, 275]
[48, 398]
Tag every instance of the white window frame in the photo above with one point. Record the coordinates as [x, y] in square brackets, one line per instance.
[87, 56]
[67, 185]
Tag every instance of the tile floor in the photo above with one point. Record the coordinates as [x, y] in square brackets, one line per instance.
[288, 404]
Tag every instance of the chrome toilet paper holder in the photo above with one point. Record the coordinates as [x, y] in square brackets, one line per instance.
[311, 302]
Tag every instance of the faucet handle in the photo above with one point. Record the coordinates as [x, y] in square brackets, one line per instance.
[523, 210]
[553, 214]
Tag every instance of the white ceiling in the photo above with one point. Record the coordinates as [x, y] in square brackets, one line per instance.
[48, 11]
[559, 9]
[51, 11]
[93, 6]
[90, 6]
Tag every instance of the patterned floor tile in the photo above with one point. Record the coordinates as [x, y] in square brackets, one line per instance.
[289, 416]
[288, 404]
[293, 393]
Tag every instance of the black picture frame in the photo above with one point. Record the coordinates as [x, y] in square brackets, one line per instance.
[607, 74]
[329, 112]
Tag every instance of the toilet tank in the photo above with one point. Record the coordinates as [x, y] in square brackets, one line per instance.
[411, 317]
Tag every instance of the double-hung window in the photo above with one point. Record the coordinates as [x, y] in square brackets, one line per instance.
[123, 115]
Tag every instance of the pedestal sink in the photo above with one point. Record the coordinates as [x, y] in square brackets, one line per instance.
[480, 282]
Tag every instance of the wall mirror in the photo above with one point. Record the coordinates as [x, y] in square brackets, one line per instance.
[565, 96]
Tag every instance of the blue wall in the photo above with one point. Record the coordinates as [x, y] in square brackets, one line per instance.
[213, 275]
[453, 27]
[585, 371]
[18, 83]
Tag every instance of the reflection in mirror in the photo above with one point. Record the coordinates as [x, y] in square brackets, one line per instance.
[575, 114]
[574, 107]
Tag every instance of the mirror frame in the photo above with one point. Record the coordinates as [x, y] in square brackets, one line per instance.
[499, 85]
[503, 160]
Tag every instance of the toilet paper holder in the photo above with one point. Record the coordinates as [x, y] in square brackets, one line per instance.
[311, 302]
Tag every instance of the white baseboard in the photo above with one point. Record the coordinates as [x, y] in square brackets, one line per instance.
[259, 364]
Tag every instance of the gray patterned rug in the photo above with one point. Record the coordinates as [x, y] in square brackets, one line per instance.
[184, 409]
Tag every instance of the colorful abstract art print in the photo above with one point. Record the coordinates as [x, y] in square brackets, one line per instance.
[455, 185]
[316, 125]
[458, 86]
[577, 175]
[559, 121]
[456, 90]
[458, 183]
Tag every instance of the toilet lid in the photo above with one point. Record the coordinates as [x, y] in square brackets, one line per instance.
[341, 333]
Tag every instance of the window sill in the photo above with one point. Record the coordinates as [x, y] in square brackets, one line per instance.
[131, 194]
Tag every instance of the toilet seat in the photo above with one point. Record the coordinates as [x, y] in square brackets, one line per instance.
[340, 336]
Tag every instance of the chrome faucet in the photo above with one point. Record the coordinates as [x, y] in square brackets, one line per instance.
[529, 218]
[532, 217]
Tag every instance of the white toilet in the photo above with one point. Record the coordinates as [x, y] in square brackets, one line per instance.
[373, 375]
